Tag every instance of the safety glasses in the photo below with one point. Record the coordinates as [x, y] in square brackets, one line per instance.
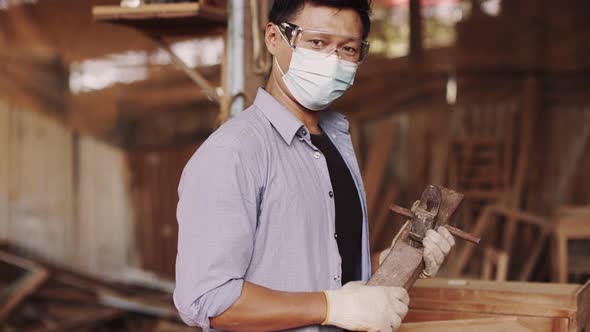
[347, 48]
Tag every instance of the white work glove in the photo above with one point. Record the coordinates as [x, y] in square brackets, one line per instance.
[358, 307]
[437, 246]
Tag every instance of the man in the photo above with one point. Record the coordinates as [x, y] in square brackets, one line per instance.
[272, 213]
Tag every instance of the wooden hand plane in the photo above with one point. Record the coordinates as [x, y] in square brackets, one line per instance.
[403, 265]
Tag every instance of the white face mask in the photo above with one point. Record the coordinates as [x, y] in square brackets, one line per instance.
[315, 80]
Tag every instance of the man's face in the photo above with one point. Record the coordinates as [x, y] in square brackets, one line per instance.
[344, 22]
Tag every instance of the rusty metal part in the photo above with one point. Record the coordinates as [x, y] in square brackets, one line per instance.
[450, 201]
[425, 211]
[401, 211]
[415, 237]
[453, 230]
[463, 235]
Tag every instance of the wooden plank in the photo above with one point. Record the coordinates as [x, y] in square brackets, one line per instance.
[567, 305]
[156, 10]
[400, 268]
[501, 324]
[498, 298]
[537, 324]
[172, 19]
[5, 196]
[583, 303]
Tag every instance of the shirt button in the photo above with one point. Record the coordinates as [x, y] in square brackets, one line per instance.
[303, 132]
[331, 193]
[337, 277]
[317, 155]
[335, 235]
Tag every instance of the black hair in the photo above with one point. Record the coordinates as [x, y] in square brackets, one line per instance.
[286, 10]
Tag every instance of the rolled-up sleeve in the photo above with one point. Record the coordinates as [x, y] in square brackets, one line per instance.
[216, 215]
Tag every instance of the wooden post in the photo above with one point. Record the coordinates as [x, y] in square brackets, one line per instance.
[378, 159]
[254, 20]
[415, 29]
[530, 107]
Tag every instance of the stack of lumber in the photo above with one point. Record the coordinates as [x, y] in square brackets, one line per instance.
[41, 297]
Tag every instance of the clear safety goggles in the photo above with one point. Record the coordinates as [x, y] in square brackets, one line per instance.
[347, 48]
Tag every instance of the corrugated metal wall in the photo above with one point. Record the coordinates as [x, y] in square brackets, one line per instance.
[61, 197]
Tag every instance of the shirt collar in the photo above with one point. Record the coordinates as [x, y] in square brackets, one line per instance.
[287, 124]
[334, 119]
[284, 121]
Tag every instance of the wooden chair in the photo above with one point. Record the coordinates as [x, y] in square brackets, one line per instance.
[571, 223]
[481, 162]
[481, 156]
[516, 219]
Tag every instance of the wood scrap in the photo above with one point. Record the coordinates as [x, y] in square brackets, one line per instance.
[14, 293]
[71, 301]
[137, 304]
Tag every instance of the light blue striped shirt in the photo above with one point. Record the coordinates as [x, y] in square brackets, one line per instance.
[254, 206]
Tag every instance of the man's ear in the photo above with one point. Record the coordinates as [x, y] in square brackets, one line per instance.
[271, 38]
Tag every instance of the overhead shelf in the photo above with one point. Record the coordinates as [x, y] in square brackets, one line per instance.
[163, 20]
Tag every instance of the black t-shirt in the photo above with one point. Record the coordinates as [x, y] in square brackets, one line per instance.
[349, 215]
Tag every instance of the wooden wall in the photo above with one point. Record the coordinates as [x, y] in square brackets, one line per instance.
[155, 177]
[105, 222]
[62, 197]
[36, 185]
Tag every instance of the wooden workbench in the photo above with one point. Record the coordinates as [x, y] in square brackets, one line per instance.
[484, 306]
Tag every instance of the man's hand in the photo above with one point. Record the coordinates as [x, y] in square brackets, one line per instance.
[358, 307]
[437, 246]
